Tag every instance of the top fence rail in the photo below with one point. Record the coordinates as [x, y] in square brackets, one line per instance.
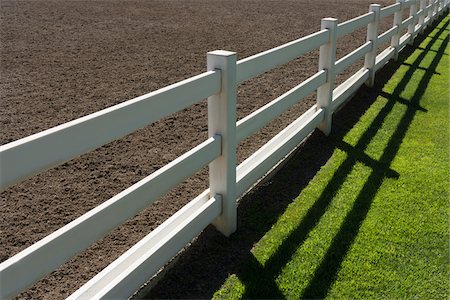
[39, 152]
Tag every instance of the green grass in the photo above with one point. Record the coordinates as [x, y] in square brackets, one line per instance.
[374, 221]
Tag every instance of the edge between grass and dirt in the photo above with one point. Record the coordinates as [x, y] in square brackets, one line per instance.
[373, 222]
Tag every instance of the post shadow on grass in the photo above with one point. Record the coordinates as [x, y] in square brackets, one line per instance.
[204, 266]
[326, 273]
[328, 268]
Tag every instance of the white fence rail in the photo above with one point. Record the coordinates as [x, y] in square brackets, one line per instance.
[36, 153]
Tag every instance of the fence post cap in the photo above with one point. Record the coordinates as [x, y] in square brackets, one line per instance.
[330, 19]
[221, 53]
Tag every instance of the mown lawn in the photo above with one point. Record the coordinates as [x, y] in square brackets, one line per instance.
[374, 221]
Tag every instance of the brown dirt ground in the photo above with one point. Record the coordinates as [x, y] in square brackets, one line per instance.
[61, 60]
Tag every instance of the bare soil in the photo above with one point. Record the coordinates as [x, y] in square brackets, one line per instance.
[61, 60]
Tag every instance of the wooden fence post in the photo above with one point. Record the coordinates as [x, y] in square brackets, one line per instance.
[395, 40]
[222, 121]
[412, 26]
[372, 36]
[327, 60]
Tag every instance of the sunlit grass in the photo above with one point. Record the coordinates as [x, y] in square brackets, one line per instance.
[374, 221]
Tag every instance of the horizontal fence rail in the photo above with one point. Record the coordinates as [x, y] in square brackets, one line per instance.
[384, 57]
[124, 276]
[268, 112]
[349, 87]
[389, 10]
[41, 258]
[387, 35]
[348, 60]
[39, 152]
[36, 153]
[354, 24]
[263, 160]
[257, 64]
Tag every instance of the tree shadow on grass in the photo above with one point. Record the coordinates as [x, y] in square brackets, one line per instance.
[204, 266]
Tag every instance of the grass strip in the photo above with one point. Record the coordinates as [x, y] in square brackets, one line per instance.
[373, 223]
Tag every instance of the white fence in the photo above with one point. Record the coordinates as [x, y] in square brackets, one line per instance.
[36, 153]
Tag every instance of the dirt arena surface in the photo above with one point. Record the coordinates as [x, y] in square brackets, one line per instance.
[61, 60]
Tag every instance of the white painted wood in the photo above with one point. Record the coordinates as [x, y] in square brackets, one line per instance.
[408, 3]
[384, 57]
[123, 276]
[127, 273]
[262, 62]
[26, 267]
[441, 7]
[412, 24]
[404, 40]
[420, 13]
[398, 17]
[327, 60]
[372, 36]
[222, 120]
[389, 10]
[429, 13]
[263, 160]
[417, 29]
[259, 118]
[407, 22]
[349, 87]
[387, 35]
[39, 152]
[342, 64]
[434, 10]
[354, 24]
[430, 10]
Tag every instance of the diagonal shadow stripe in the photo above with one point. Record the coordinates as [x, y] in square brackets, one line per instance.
[284, 253]
[326, 273]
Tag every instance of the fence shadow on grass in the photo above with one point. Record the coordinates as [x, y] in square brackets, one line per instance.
[204, 266]
[325, 274]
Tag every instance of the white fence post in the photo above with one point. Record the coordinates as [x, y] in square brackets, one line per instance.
[434, 10]
[412, 26]
[423, 4]
[430, 11]
[372, 36]
[437, 10]
[327, 60]
[222, 120]
[395, 40]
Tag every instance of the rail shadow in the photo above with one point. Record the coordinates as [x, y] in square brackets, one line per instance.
[327, 271]
[204, 266]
